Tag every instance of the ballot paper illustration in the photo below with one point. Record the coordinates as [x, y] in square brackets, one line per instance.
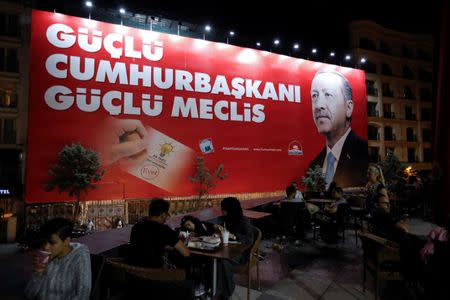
[168, 164]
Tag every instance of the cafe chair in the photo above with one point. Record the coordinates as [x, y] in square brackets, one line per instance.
[125, 281]
[381, 258]
[252, 261]
[97, 265]
[292, 217]
[357, 210]
[438, 271]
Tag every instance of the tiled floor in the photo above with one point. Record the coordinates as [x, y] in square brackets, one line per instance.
[315, 270]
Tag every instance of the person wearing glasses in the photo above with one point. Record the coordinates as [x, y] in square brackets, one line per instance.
[384, 224]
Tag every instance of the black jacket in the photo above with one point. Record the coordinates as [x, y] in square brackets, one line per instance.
[352, 165]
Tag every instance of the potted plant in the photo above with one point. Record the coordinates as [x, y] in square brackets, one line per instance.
[75, 172]
[392, 168]
[314, 182]
[204, 179]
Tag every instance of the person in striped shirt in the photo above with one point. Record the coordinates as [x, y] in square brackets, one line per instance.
[66, 274]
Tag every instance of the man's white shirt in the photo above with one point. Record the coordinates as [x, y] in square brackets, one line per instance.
[337, 149]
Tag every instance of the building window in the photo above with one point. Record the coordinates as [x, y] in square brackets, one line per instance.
[426, 135]
[425, 114]
[369, 67]
[386, 70]
[373, 133]
[372, 109]
[411, 155]
[426, 155]
[387, 111]
[366, 43]
[424, 75]
[8, 131]
[425, 94]
[410, 136]
[409, 115]
[9, 25]
[408, 94]
[389, 134]
[8, 60]
[385, 48]
[408, 73]
[423, 55]
[370, 88]
[8, 95]
[387, 92]
[406, 52]
[374, 155]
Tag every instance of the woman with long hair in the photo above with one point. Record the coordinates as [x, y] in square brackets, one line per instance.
[375, 185]
[234, 221]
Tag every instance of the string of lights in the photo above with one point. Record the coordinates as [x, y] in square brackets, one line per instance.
[294, 49]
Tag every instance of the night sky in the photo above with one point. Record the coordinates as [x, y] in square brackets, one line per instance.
[314, 23]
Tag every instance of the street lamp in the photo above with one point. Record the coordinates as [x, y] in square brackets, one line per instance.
[89, 6]
[207, 29]
[230, 35]
[122, 12]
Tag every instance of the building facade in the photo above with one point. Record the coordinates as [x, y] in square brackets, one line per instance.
[399, 90]
[14, 37]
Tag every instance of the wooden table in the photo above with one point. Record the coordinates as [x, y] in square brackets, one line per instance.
[226, 252]
[320, 202]
[420, 228]
[252, 214]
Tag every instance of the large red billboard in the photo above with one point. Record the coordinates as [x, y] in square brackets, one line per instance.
[151, 103]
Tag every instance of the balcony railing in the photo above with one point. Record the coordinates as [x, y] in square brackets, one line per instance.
[372, 113]
[409, 96]
[410, 117]
[389, 115]
[412, 138]
[9, 137]
[372, 91]
[388, 93]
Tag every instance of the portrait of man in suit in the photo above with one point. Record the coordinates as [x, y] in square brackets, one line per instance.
[344, 158]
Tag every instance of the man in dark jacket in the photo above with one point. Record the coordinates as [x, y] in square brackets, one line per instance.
[345, 156]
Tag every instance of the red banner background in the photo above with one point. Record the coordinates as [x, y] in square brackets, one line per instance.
[265, 166]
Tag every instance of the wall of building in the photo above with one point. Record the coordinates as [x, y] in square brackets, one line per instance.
[399, 91]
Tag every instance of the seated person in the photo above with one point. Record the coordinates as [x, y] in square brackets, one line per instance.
[291, 193]
[67, 275]
[438, 234]
[384, 224]
[332, 216]
[294, 195]
[296, 215]
[240, 229]
[375, 185]
[151, 239]
[298, 195]
[234, 221]
[329, 191]
[196, 227]
[338, 196]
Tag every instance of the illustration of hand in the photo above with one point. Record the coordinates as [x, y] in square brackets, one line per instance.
[124, 141]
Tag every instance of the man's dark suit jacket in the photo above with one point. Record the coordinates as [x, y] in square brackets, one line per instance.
[352, 165]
